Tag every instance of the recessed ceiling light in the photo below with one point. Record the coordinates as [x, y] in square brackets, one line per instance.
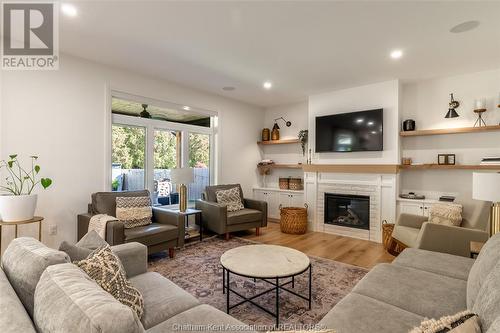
[187, 108]
[267, 85]
[69, 9]
[464, 26]
[228, 88]
[396, 54]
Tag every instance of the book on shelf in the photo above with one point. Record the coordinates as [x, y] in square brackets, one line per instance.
[492, 160]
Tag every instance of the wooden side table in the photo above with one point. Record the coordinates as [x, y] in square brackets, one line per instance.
[475, 248]
[35, 219]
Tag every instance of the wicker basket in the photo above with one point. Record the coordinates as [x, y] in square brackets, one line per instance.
[284, 183]
[295, 184]
[293, 220]
[387, 229]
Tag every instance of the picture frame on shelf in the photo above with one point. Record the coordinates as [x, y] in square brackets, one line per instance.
[450, 159]
[442, 159]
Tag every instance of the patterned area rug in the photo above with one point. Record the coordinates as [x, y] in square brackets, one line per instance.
[196, 269]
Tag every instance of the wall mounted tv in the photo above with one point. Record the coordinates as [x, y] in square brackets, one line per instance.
[349, 132]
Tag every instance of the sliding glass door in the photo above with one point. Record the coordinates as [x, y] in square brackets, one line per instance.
[146, 149]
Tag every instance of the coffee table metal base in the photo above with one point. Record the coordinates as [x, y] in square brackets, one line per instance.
[226, 289]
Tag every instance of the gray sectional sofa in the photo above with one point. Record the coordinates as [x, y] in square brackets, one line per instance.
[40, 291]
[422, 284]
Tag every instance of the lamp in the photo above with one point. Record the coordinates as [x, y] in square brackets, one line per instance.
[452, 113]
[182, 176]
[485, 186]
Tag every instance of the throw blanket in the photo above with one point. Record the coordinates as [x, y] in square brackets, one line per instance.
[98, 223]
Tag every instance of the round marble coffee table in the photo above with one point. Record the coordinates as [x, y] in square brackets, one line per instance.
[270, 263]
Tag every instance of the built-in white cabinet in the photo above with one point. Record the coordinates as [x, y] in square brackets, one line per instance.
[277, 197]
[415, 207]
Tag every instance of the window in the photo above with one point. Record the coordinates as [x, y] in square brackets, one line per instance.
[128, 157]
[148, 141]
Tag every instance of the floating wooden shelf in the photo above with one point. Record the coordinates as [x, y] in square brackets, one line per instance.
[449, 167]
[352, 168]
[451, 131]
[282, 166]
[278, 142]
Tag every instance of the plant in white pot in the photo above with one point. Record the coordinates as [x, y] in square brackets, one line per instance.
[19, 202]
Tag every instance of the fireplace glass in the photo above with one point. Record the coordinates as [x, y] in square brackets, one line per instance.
[347, 210]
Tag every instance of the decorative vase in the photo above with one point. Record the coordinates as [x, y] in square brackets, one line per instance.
[275, 133]
[266, 134]
[15, 208]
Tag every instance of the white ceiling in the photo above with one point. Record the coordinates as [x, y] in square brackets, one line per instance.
[302, 47]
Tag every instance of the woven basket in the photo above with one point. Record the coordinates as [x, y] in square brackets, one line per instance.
[284, 183]
[293, 220]
[295, 184]
[387, 229]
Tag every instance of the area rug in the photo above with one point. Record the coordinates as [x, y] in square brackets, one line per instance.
[196, 269]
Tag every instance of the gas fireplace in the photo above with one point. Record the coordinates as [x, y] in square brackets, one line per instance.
[347, 210]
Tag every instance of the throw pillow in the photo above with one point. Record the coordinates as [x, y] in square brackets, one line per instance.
[75, 253]
[231, 198]
[462, 322]
[134, 211]
[446, 214]
[91, 240]
[105, 268]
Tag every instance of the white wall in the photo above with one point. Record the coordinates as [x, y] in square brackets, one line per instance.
[62, 116]
[288, 153]
[379, 95]
[427, 103]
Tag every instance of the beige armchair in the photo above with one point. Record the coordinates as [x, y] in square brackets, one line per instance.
[416, 232]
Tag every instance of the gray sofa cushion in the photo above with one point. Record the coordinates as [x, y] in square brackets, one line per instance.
[406, 235]
[74, 252]
[358, 313]
[91, 240]
[24, 261]
[13, 316]
[67, 300]
[485, 262]
[243, 216]
[423, 293]
[487, 304]
[435, 262]
[163, 299]
[203, 315]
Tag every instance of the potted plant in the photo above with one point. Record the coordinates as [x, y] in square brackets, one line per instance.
[19, 203]
[303, 140]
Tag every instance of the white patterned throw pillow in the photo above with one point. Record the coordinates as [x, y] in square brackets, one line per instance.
[447, 214]
[134, 211]
[231, 198]
[106, 269]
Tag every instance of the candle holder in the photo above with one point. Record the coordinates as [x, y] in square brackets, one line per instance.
[479, 109]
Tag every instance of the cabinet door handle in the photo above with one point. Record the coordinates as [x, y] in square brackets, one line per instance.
[421, 207]
[426, 207]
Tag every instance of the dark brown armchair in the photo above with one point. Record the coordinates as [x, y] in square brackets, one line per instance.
[166, 231]
[216, 217]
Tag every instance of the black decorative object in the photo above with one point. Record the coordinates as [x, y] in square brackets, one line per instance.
[452, 113]
[409, 125]
[144, 113]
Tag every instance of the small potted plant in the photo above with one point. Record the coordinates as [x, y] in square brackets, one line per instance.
[19, 202]
[303, 140]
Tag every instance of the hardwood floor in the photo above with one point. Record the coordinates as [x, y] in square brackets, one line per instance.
[348, 250]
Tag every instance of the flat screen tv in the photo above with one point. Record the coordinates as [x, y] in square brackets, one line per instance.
[349, 132]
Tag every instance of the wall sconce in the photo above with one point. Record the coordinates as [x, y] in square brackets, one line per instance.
[452, 113]
[287, 123]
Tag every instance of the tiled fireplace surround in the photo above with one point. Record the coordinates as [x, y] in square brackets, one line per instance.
[379, 187]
